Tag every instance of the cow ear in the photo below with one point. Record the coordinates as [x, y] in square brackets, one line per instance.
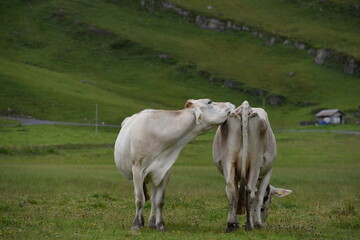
[235, 113]
[189, 103]
[279, 192]
[253, 114]
[198, 116]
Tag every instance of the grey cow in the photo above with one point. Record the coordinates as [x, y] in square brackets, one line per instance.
[244, 151]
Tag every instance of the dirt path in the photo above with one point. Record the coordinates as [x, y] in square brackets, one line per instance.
[30, 121]
[323, 131]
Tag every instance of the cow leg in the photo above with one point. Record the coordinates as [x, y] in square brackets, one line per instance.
[152, 217]
[232, 195]
[157, 203]
[260, 198]
[139, 198]
[251, 191]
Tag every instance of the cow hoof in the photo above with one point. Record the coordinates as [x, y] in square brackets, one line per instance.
[135, 227]
[160, 226]
[137, 224]
[232, 227]
[249, 227]
[258, 225]
[152, 223]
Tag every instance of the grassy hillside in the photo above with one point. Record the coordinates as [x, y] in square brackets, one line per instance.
[322, 24]
[60, 58]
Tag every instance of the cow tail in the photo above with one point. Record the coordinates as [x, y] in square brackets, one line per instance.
[242, 191]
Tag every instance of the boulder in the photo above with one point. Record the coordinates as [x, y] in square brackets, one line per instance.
[215, 80]
[210, 23]
[148, 4]
[311, 51]
[232, 84]
[350, 66]
[271, 41]
[229, 24]
[275, 99]
[180, 12]
[300, 45]
[287, 43]
[321, 55]
[245, 28]
[236, 28]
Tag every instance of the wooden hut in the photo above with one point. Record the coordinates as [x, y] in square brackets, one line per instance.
[330, 116]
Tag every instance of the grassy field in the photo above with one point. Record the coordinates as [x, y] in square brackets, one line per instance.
[60, 182]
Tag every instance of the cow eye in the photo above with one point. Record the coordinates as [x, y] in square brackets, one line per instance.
[209, 102]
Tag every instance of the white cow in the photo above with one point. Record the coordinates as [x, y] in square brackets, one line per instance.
[149, 143]
[244, 151]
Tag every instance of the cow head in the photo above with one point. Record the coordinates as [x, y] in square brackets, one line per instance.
[271, 191]
[209, 112]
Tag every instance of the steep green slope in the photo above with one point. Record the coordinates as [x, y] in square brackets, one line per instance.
[60, 58]
[57, 68]
[318, 23]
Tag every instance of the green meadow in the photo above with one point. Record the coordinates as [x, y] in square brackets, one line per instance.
[60, 182]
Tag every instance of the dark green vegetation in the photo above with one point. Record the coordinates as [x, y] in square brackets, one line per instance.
[60, 58]
[61, 182]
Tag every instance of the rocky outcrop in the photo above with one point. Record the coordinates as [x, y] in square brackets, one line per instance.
[351, 66]
[300, 45]
[275, 99]
[322, 55]
[210, 23]
[181, 12]
[149, 5]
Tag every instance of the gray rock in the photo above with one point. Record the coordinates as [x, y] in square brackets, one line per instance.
[351, 66]
[271, 41]
[215, 80]
[300, 45]
[180, 12]
[287, 43]
[204, 74]
[290, 74]
[210, 23]
[164, 56]
[245, 28]
[232, 84]
[229, 24]
[148, 4]
[256, 92]
[236, 28]
[275, 99]
[311, 51]
[321, 55]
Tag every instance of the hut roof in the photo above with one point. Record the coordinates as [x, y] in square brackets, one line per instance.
[328, 113]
